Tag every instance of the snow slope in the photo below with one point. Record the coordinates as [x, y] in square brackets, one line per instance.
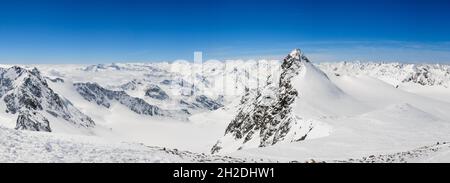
[23, 146]
[319, 96]
[437, 153]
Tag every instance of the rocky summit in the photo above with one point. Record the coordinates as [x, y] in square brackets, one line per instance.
[27, 94]
[265, 115]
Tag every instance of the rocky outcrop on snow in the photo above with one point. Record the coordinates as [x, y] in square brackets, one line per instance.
[55, 80]
[207, 102]
[132, 85]
[265, 116]
[201, 102]
[180, 82]
[154, 91]
[33, 121]
[27, 94]
[423, 75]
[430, 153]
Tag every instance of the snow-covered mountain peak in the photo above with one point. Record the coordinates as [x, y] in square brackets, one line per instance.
[27, 95]
[296, 53]
[265, 117]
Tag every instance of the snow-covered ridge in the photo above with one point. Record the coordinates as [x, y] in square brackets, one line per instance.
[92, 92]
[394, 73]
[27, 95]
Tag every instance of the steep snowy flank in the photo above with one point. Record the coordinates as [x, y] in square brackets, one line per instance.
[322, 98]
[265, 117]
[27, 95]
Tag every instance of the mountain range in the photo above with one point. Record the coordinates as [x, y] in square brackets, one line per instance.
[288, 110]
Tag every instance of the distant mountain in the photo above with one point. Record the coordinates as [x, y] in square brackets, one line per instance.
[178, 91]
[93, 92]
[394, 73]
[27, 95]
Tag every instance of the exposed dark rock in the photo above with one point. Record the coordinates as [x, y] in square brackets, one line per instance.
[132, 85]
[207, 102]
[56, 80]
[154, 91]
[32, 121]
[422, 76]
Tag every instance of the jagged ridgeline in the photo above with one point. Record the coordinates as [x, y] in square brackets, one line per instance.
[27, 95]
[265, 116]
[93, 92]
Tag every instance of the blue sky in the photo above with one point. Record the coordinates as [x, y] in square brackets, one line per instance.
[105, 31]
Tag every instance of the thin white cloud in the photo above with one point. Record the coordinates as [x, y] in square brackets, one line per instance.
[330, 51]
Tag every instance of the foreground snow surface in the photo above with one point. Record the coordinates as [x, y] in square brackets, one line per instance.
[24, 146]
[438, 153]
